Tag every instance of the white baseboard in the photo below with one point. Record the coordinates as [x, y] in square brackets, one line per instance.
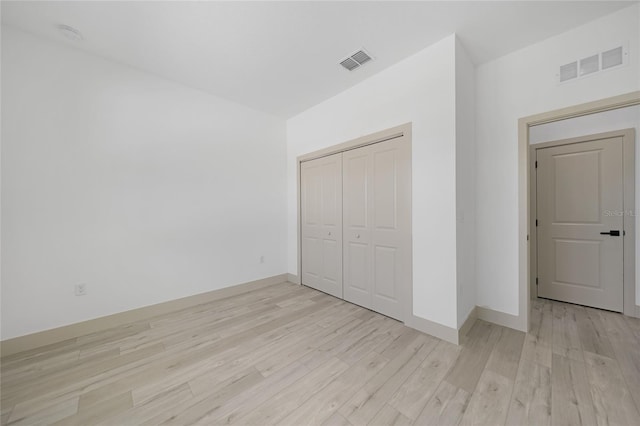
[59, 334]
[500, 318]
[293, 279]
[434, 329]
[443, 332]
[467, 324]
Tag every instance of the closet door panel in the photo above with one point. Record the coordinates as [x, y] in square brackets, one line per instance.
[385, 262]
[385, 203]
[311, 186]
[390, 233]
[321, 205]
[358, 275]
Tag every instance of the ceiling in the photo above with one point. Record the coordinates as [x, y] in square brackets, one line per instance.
[282, 57]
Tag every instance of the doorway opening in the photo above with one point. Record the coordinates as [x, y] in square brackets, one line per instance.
[582, 203]
[526, 221]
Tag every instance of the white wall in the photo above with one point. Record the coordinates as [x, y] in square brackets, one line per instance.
[465, 183]
[421, 90]
[143, 189]
[623, 118]
[520, 84]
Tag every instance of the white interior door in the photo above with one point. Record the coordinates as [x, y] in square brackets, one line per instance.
[579, 211]
[377, 226]
[321, 214]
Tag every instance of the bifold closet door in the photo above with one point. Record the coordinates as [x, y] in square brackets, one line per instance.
[321, 212]
[377, 226]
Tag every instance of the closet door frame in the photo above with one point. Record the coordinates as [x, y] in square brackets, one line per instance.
[402, 133]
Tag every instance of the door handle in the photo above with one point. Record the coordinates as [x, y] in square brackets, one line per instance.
[612, 233]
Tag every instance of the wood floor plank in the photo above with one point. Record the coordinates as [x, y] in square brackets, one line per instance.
[531, 398]
[627, 352]
[36, 354]
[612, 400]
[446, 406]
[4, 417]
[76, 376]
[98, 411]
[536, 351]
[366, 402]
[390, 416]
[325, 403]
[306, 345]
[377, 341]
[162, 405]
[505, 357]
[336, 420]
[490, 401]
[225, 360]
[343, 346]
[213, 367]
[414, 393]
[570, 392]
[198, 408]
[259, 393]
[287, 354]
[280, 405]
[593, 337]
[43, 414]
[475, 353]
[634, 325]
[566, 339]
[539, 341]
[21, 372]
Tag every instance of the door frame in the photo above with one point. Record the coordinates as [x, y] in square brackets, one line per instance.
[403, 132]
[524, 188]
[628, 205]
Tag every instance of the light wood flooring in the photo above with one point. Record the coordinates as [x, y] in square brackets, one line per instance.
[290, 355]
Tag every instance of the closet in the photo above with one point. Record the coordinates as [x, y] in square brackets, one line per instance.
[355, 211]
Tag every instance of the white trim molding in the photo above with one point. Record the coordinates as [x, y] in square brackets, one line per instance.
[467, 324]
[443, 332]
[434, 329]
[499, 318]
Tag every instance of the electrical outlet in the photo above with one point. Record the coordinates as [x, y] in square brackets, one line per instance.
[81, 289]
[261, 259]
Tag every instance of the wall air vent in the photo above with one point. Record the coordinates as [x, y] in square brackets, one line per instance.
[612, 58]
[356, 60]
[590, 65]
[568, 71]
[594, 64]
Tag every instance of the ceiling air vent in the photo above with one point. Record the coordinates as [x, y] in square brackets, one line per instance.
[356, 60]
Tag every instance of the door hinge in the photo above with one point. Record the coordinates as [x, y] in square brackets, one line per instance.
[536, 222]
[536, 280]
[536, 164]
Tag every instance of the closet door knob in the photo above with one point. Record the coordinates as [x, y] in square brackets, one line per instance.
[329, 233]
[357, 235]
